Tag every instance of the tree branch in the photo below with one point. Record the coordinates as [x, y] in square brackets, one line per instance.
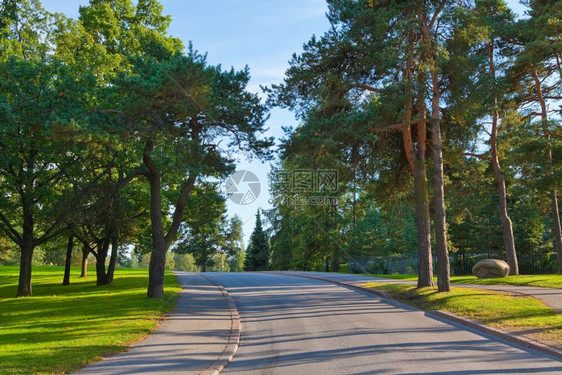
[9, 230]
[478, 156]
[390, 128]
[186, 189]
[123, 181]
[436, 14]
[85, 242]
[51, 233]
[365, 87]
[147, 159]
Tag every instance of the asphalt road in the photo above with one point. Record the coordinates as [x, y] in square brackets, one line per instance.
[297, 326]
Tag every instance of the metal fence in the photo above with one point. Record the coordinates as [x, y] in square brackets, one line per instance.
[461, 264]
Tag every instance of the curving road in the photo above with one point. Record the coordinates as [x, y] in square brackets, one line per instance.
[297, 326]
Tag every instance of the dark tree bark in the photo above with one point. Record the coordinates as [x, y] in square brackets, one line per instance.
[101, 256]
[27, 246]
[416, 161]
[66, 279]
[24, 284]
[423, 218]
[443, 267]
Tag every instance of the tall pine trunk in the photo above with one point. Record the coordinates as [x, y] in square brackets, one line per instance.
[423, 218]
[554, 210]
[416, 160]
[443, 267]
[507, 225]
[431, 54]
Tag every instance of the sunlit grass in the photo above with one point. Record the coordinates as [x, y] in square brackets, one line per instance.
[61, 329]
[512, 312]
[545, 281]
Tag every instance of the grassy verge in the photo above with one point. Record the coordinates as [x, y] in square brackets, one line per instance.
[545, 281]
[522, 315]
[61, 329]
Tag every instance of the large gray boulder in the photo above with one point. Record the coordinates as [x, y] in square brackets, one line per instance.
[490, 268]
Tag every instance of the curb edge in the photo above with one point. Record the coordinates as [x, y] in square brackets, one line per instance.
[234, 337]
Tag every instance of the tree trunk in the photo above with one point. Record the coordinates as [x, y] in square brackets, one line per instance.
[557, 233]
[84, 268]
[161, 241]
[423, 219]
[416, 161]
[554, 211]
[112, 260]
[425, 261]
[24, 285]
[66, 279]
[443, 267]
[156, 272]
[102, 248]
[158, 255]
[507, 225]
[27, 246]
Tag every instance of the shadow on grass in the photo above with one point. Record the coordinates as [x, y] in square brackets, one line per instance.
[63, 328]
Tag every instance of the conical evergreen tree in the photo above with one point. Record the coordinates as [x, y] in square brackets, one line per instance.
[257, 256]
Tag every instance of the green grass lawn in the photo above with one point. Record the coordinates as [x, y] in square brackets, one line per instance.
[545, 281]
[61, 329]
[524, 315]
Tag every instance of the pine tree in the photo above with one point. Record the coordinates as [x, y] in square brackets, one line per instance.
[257, 257]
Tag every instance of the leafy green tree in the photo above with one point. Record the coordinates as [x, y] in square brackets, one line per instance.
[258, 253]
[182, 109]
[42, 102]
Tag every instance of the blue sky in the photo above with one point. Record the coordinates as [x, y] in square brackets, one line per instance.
[262, 34]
